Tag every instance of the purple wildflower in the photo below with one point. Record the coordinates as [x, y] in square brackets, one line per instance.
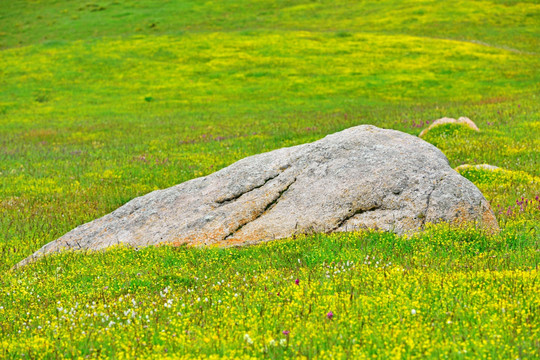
[297, 281]
[330, 315]
[286, 332]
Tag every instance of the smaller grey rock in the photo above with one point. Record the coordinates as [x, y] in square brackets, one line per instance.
[461, 121]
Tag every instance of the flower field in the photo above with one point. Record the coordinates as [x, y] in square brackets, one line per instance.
[104, 102]
[443, 293]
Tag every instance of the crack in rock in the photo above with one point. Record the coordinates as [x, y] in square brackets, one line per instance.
[353, 214]
[267, 208]
[228, 199]
[424, 219]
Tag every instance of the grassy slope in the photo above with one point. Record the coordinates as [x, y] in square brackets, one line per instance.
[499, 23]
[103, 102]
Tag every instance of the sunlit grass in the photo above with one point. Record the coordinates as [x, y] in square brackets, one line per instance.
[446, 291]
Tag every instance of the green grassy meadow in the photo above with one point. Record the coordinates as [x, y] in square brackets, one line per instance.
[101, 102]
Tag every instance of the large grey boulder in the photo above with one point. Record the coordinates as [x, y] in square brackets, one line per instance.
[362, 177]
